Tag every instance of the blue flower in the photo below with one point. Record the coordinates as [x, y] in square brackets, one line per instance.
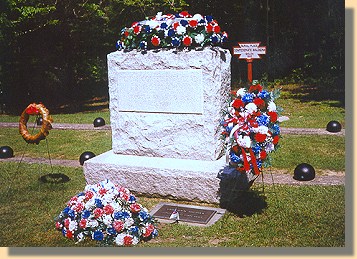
[247, 98]
[98, 235]
[121, 215]
[155, 233]
[111, 231]
[64, 231]
[171, 33]
[184, 23]
[143, 215]
[175, 42]
[71, 214]
[85, 214]
[209, 18]
[263, 120]
[132, 199]
[264, 94]
[66, 210]
[275, 129]
[201, 22]
[98, 203]
[134, 230]
[234, 158]
[147, 28]
[143, 45]
[163, 25]
[214, 39]
[256, 149]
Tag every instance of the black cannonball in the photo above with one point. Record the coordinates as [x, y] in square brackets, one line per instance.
[6, 152]
[39, 121]
[98, 122]
[333, 126]
[85, 156]
[304, 172]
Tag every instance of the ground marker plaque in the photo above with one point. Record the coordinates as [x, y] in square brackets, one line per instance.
[189, 214]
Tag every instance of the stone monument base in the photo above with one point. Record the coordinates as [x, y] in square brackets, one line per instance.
[186, 179]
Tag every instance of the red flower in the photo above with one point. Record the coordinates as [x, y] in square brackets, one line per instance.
[118, 225]
[253, 88]
[155, 41]
[187, 41]
[185, 14]
[209, 28]
[98, 212]
[237, 103]
[175, 25]
[148, 230]
[102, 191]
[79, 207]
[217, 29]
[260, 137]
[89, 195]
[83, 223]
[193, 23]
[263, 154]
[69, 234]
[276, 139]
[135, 207]
[137, 29]
[32, 110]
[259, 102]
[128, 240]
[108, 209]
[273, 116]
[126, 33]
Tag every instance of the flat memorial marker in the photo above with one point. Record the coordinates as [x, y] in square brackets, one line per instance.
[192, 215]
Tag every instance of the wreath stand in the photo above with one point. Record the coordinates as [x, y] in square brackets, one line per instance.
[51, 177]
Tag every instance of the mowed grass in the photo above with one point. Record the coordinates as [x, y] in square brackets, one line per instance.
[326, 152]
[281, 216]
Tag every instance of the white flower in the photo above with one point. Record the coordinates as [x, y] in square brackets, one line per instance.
[119, 240]
[152, 23]
[90, 204]
[269, 147]
[272, 107]
[128, 222]
[263, 129]
[181, 30]
[135, 240]
[197, 17]
[92, 223]
[72, 225]
[107, 220]
[158, 16]
[80, 237]
[244, 141]
[199, 38]
[251, 107]
[231, 111]
[241, 92]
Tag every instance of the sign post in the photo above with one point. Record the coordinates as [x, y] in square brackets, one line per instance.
[249, 51]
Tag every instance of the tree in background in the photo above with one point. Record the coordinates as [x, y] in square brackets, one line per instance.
[54, 51]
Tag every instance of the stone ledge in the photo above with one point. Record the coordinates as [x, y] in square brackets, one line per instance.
[183, 179]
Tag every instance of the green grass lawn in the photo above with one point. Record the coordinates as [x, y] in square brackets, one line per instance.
[282, 216]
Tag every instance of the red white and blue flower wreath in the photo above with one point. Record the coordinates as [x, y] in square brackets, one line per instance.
[181, 30]
[251, 130]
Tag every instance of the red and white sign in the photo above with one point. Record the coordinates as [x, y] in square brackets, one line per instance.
[249, 50]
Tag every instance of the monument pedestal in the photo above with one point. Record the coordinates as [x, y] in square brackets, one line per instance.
[194, 180]
[165, 112]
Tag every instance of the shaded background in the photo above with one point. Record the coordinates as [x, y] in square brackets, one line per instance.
[54, 51]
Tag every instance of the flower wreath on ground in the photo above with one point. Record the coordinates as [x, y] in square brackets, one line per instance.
[108, 214]
[172, 31]
[251, 130]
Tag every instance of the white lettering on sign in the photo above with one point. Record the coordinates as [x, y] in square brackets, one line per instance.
[249, 50]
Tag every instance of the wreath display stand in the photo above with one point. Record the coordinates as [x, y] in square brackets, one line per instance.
[40, 111]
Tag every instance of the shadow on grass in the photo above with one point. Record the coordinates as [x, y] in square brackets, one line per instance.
[237, 197]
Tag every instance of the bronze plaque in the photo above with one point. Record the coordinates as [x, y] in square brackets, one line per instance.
[186, 213]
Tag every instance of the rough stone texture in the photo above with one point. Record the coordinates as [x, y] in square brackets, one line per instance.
[168, 177]
[170, 134]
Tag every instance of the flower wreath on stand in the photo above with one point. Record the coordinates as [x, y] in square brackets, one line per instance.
[181, 30]
[108, 214]
[251, 131]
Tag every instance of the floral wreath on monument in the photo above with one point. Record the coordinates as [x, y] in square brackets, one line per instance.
[108, 214]
[251, 130]
[172, 31]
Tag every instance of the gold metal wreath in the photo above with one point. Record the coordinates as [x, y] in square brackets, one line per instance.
[35, 109]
